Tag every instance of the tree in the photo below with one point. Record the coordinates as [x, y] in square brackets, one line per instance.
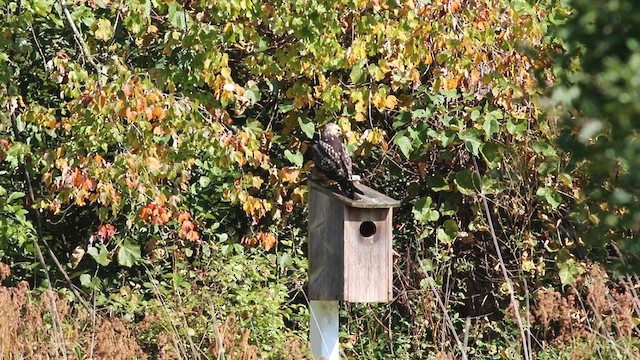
[156, 152]
[598, 85]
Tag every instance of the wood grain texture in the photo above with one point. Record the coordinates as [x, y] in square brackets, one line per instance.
[326, 252]
[344, 264]
[367, 267]
[371, 199]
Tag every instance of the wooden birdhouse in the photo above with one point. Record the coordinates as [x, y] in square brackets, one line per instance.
[350, 256]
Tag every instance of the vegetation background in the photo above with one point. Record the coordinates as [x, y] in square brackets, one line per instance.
[153, 162]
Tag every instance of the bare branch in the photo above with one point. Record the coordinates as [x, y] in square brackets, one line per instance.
[83, 45]
[516, 308]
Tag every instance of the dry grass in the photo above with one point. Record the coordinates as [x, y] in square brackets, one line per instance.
[592, 311]
[31, 327]
[27, 330]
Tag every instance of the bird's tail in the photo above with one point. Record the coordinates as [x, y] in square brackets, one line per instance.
[350, 190]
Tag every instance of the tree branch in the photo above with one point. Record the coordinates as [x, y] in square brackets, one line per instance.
[516, 309]
[83, 45]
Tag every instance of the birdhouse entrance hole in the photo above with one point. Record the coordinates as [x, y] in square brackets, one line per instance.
[367, 228]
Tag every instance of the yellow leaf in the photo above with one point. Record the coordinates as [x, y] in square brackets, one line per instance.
[104, 31]
[391, 102]
[428, 59]
[267, 240]
[76, 256]
[289, 175]
[451, 82]
[474, 77]
[384, 66]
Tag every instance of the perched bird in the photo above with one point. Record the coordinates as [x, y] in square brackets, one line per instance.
[332, 159]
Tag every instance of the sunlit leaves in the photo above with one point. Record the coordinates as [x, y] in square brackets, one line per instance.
[155, 213]
[104, 30]
[472, 140]
[100, 254]
[307, 127]
[187, 227]
[425, 211]
[294, 157]
[551, 196]
[128, 253]
[405, 145]
[266, 239]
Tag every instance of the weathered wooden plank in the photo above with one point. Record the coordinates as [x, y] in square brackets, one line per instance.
[367, 254]
[350, 254]
[371, 199]
[326, 253]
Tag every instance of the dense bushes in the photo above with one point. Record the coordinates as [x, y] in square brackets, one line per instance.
[154, 158]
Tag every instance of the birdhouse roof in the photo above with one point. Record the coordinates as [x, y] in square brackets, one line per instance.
[370, 199]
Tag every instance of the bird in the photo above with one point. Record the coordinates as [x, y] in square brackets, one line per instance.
[332, 159]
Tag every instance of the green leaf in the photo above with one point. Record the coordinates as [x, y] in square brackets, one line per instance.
[568, 267]
[85, 280]
[492, 186]
[421, 113]
[437, 183]
[492, 154]
[423, 210]
[404, 143]
[448, 232]
[307, 126]
[490, 126]
[204, 181]
[295, 158]
[100, 254]
[20, 125]
[472, 140]
[177, 17]
[358, 75]
[251, 96]
[15, 195]
[550, 196]
[516, 129]
[129, 253]
[544, 148]
[465, 181]
[104, 31]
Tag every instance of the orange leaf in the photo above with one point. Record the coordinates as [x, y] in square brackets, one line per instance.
[163, 218]
[141, 104]
[183, 216]
[193, 235]
[158, 113]
[187, 226]
[131, 115]
[145, 213]
[289, 175]
[267, 240]
[126, 88]
[248, 241]
[149, 113]
[106, 231]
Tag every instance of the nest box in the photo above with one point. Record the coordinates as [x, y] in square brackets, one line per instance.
[350, 256]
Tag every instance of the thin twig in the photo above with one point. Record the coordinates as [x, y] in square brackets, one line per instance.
[83, 45]
[57, 328]
[434, 290]
[503, 268]
[35, 39]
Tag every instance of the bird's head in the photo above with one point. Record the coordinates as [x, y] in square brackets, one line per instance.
[331, 129]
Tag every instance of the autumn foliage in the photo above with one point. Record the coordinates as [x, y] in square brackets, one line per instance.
[152, 151]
